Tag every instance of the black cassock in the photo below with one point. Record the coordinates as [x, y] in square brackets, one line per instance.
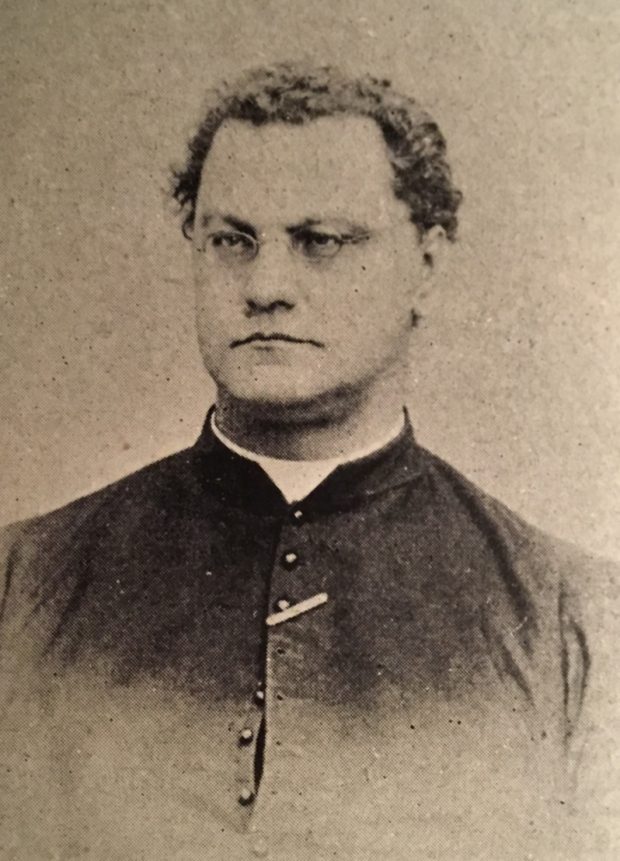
[431, 707]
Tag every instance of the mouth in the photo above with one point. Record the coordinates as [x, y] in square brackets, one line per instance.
[278, 337]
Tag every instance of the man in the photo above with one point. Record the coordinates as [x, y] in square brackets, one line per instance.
[305, 637]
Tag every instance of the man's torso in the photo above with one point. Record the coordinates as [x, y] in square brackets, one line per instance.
[426, 710]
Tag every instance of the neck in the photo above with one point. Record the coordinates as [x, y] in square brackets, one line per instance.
[333, 426]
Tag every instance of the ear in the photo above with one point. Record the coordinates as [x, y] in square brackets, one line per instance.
[432, 246]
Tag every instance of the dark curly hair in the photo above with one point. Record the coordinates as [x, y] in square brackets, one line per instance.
[296, 93]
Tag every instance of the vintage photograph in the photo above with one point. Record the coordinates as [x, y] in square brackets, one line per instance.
[309, 434]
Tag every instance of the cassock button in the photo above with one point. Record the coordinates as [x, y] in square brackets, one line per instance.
[259, 697]
[290, 559]
[246, 796]
[298, 515]
[246, 735]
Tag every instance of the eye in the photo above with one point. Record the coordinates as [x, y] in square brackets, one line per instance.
[232, 245]
[317, 245]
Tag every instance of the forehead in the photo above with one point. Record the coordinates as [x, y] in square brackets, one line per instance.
[279, 172]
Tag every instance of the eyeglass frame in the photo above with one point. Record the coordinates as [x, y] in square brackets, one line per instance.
[341, 239]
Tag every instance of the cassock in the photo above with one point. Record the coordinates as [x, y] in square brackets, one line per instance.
[396, 667]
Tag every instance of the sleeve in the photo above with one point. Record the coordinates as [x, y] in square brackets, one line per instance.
[576, 661]
[590, 623]
[17, 595]
[9, 537]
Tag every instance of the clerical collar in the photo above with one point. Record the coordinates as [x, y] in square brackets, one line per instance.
[295, 479]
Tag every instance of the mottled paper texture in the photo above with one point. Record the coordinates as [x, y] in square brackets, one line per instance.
[515, 378]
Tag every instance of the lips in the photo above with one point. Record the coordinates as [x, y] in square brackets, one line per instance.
[262, 337]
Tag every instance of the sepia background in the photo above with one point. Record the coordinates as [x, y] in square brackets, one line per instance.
[515, 376]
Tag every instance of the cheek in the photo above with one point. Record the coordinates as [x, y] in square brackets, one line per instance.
[377, 292]
[215, 300]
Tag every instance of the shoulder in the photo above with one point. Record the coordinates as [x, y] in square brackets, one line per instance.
[132, 496]
[521, 541]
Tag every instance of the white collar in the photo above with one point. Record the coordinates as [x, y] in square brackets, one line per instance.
[297, 478]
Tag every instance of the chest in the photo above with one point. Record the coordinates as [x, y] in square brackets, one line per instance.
[414, 600]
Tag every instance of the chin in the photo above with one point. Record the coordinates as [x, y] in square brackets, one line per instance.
[276, 395]
[288, 401]
[273, 390]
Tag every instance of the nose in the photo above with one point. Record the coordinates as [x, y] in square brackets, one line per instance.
[271, 282]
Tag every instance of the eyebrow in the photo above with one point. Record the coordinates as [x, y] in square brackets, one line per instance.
[309, 223]
[238, 223]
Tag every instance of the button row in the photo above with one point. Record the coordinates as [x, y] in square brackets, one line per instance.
[246, 737]
[289, 560]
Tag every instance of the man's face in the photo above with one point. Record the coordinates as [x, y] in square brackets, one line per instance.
[307, 267]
